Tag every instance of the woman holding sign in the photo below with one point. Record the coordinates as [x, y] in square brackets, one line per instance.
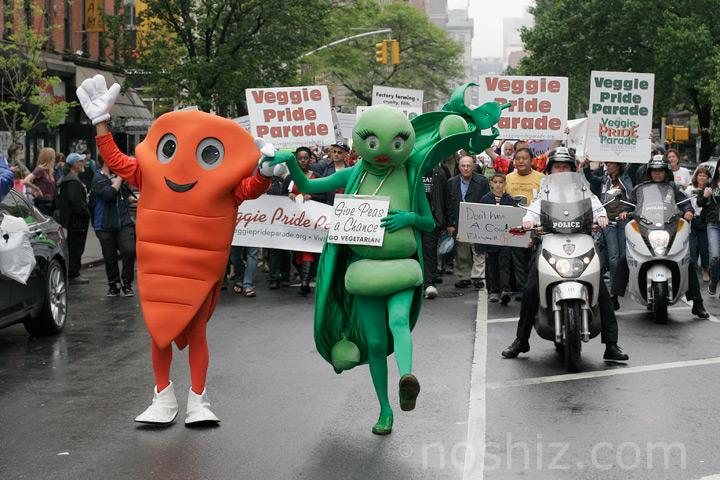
[368, 297]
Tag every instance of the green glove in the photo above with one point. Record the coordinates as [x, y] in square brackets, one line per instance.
[397, 219]
[282, 157]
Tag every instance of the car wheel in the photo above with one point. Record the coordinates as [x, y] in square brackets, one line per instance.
[54, 311]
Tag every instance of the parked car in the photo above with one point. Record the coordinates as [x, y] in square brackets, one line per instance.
[41, 304]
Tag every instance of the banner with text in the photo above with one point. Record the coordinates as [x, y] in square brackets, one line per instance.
[538, 105]
[620, 116]
[489, 224]
[272, 221]
[405, 99]
[356, 220]
[291, 116]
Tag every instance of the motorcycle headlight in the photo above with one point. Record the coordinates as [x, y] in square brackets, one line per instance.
[569, 267]
[659, 240]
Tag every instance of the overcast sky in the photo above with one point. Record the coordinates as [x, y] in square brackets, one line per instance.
[488, 15]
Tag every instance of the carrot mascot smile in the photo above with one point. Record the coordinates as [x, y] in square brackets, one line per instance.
[192, 170]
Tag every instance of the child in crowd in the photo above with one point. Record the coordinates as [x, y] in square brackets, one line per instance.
[498, 259]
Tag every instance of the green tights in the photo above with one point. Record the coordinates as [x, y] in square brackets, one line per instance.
[373, 319]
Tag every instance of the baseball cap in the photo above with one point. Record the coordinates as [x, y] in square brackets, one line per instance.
[341, 145]
[74, 157]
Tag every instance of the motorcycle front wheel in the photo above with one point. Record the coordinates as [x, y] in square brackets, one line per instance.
[572, 322]
[660, 302]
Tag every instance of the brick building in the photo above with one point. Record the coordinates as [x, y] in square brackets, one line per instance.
[73, 54]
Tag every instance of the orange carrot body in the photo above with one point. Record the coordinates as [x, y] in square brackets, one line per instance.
[184, 237]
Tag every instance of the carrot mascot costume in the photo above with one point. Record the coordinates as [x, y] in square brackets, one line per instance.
[192, 169]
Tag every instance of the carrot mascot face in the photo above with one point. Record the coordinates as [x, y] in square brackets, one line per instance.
[190, 162]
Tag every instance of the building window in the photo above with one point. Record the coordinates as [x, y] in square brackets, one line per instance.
[85, 42]
[7, 18]
[48, 24]
[27, 8]
[67, 26]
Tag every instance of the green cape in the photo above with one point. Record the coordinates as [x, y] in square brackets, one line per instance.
[336, 315]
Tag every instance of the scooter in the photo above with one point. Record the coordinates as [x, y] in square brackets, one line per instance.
[657, 248]
[568, 267]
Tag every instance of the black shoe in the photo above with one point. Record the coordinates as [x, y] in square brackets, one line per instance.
[616, 303]
[113, 291]
[615, 353]
[516, 348]
[462, 284]
[79, 280]
[273, 285]
[478, 284]
[408, 392]
[699, 309]
[127, 290]
[283, 283]
[505, 298]
[712, 288]
[518, 297]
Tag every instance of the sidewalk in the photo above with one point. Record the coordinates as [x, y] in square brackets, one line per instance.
[92, 254]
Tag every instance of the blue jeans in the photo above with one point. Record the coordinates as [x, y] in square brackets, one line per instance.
[713, 236]
[246, 268]
[615, 245]
[699, 242]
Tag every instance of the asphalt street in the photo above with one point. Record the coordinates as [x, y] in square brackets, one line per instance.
[68, 402]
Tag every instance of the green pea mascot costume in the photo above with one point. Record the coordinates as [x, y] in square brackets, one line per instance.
[368, 298]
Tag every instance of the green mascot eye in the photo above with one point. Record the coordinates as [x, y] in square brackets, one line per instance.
[372, 142]
[398, 143]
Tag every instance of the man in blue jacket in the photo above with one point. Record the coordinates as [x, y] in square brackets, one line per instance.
[6, 179]
[115, 229]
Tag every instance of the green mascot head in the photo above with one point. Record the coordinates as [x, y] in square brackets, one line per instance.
[384, 137]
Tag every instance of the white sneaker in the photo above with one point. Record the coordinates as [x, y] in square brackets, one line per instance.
[431, 292]
[164, 407]
[198, 409]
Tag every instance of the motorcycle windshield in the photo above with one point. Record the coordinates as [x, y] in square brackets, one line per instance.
[566, 203]
[656, 204]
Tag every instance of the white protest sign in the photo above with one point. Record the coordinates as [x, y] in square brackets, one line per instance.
[273, 221]
[538, 105]
[577, 137]
[291, 116]
[397, 97]
[620, 116]
[490, 224]
[356, 220]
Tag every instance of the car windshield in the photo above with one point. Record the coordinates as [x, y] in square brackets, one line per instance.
[566, 203]
[656, 204]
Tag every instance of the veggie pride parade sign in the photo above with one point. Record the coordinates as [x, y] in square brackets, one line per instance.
[620, 116]
[291, 116]
[538, 105]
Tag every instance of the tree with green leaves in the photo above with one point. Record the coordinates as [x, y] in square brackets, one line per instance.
[206, 53]
[678, 41]
[429, 58]
[25, 88]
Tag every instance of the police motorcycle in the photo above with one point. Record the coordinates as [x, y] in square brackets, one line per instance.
[569, 271]
[657, 248]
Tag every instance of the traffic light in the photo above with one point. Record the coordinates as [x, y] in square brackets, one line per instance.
[669, 137]
[381, 53]
[394, 52]
[676, 133]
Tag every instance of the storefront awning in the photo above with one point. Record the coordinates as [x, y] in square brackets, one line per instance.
[129, 111]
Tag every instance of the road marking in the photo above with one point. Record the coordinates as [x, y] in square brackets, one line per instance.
[502, 320]
[621, 313]
[474, 467]
[602, 373]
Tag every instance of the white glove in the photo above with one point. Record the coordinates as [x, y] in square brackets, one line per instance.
[280, 170]
[96, 99]
[268, 153]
